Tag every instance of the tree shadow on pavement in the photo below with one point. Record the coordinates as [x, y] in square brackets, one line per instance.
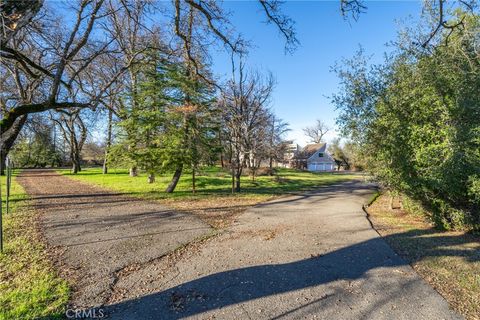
[238, 286]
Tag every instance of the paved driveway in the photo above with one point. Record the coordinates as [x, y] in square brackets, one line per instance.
[308, 256]
[99, 235]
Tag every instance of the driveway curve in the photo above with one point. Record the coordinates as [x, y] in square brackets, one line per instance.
[307, 256]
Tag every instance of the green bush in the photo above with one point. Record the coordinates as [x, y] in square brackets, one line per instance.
[416, 119]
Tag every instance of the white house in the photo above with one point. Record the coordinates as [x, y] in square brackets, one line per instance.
[317, 158]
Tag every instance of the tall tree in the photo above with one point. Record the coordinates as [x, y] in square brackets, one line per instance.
[49, 62]
[416, 119]
[108, 142]
[277, 128]
[245, 115]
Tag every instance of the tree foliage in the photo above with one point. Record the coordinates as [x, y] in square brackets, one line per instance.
[37, 146]
[417, 121]
[171, 124]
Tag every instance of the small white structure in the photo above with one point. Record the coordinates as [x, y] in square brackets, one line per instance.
[318, 158]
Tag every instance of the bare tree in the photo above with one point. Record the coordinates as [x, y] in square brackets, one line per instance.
[51, 60]
[277, 129]
[317, 131]
[50, 64]
[74, 133]
[245, 116]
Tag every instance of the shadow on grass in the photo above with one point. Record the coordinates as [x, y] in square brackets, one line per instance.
[241, 285]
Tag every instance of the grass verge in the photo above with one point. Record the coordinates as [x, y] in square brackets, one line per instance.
[448, 260]
[213, 200]
[29, 286]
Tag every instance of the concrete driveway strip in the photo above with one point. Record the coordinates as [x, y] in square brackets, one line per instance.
[99, 233]
[310, 256]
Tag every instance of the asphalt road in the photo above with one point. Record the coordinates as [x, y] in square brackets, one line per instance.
[310, 256]
[98, 235]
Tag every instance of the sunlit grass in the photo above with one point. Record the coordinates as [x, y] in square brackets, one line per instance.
[449, 260]
[210, 182]
[29, 287]
[213, 201]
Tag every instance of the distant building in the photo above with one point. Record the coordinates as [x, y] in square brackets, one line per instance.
[289, 151]
[314, 157]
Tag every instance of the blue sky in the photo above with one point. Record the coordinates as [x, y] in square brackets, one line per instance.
[304, 80]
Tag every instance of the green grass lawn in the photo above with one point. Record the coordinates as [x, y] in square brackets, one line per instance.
[213, 202]
[210, 182]
[29, 287]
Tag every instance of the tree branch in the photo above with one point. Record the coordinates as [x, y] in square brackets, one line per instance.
[10, 117]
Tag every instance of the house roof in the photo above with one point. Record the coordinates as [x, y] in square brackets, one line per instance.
[310, 149]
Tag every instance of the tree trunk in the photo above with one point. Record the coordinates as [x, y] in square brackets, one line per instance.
[105, 168]
[133, 172]
[193, 180]
[78, 160]
[233, 179]
[74, 156]
[81, 143]
[8, 139]
[109, 141]
[176, 177]
[3, 161]
[151, 178]
[238, 175]
[75, 166]
[237, 181]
